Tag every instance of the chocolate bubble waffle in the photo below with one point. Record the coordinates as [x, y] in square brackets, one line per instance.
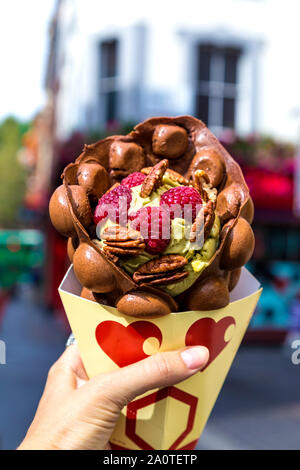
[164, 163]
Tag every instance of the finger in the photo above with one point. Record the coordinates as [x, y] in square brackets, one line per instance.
[74, 361]
[157, 371]
[68, 371]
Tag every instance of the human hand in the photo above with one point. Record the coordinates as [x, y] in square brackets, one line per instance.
[76, 413]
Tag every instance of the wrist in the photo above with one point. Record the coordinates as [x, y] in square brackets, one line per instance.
[34, 444]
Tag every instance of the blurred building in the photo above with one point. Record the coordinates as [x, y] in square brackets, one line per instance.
[228, 62]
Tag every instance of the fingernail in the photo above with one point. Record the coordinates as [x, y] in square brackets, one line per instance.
[196, 357]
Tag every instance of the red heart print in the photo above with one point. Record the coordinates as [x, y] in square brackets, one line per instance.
[124, 345]
[207, 332]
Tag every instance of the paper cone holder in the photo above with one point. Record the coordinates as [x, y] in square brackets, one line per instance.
[173, 417]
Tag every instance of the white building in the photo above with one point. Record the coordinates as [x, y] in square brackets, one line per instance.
[233, 63]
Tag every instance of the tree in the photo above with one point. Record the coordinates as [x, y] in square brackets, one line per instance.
[12, 173]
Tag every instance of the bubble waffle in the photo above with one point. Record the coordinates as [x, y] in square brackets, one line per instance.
[190, 150]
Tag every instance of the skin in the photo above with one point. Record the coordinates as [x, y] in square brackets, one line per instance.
[76, 413]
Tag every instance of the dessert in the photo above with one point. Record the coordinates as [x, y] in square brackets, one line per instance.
[173, 230]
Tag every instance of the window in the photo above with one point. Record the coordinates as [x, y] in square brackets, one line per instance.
[216, 89]
[108, 81]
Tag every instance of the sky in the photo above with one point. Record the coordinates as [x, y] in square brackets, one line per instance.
[23, 53]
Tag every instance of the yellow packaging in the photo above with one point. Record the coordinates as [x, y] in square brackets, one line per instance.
[173, 417]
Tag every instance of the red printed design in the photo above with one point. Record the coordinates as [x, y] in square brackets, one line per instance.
[124, 345]
[207, 332]
[137, 405]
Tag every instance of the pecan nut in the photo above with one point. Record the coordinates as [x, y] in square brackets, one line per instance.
[165, 270]
[171, 278]
[209, 217]
[165, 263]
[154, 179]
[201, 182]
[203, 222]
[122, 241]
[109, 255]
[172, 174]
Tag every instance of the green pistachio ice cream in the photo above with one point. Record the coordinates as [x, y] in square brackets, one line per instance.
[198, 256]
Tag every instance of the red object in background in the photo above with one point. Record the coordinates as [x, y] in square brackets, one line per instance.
[4, 297]
[281, 283]
[56, 266]
[270, 190]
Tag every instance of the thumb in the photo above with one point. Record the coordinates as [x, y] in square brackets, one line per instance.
[157, 371]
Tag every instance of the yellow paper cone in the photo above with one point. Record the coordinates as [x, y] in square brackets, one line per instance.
[173, 417]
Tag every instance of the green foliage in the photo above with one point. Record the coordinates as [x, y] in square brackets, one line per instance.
[12, 173]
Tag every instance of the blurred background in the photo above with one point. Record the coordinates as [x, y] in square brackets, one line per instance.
[74, 71]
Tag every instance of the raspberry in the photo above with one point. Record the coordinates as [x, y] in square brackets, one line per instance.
[111, 203]
[135, 179]
[155, 227]
[183, 201]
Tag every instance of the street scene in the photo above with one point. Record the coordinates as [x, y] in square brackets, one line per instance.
[90, 72]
